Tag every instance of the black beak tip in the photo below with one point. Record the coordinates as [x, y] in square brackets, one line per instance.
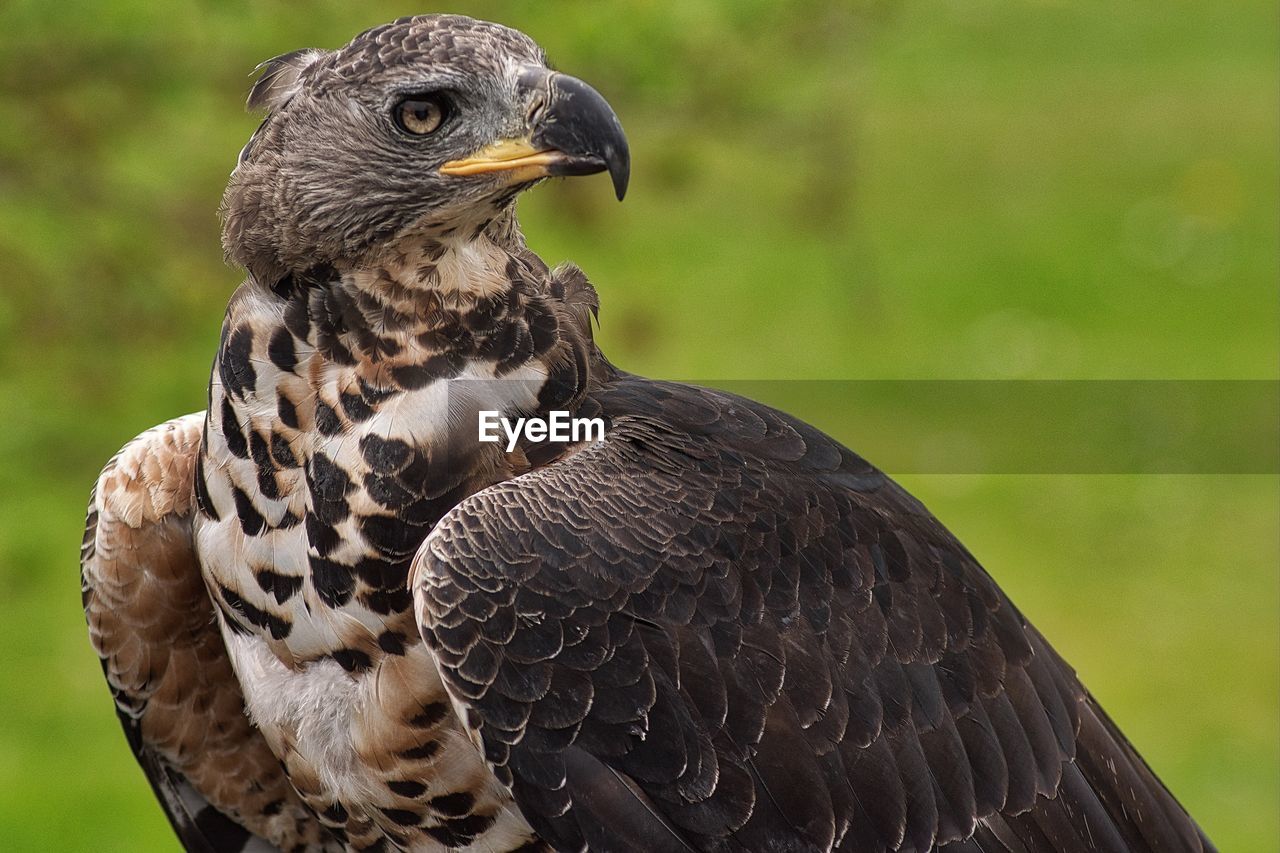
[579, 122]
[619, 171]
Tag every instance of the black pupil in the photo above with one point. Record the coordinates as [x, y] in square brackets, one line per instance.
[422, 110]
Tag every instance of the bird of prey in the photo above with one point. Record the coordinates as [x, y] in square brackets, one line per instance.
[332, 618]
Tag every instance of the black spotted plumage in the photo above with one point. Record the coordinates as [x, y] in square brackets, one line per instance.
[238, 373]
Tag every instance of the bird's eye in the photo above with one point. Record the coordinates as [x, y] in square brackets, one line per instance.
[421, 114]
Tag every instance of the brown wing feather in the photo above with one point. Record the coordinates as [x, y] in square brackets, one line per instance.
[772, 644]
[151, 622]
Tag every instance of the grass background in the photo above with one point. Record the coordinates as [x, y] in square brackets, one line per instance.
[885, 190]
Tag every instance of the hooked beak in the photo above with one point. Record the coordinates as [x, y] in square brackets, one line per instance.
[572, 131]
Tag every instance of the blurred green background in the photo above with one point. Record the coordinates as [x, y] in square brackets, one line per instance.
[959, 189]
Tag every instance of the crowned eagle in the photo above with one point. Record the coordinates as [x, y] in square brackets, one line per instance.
[332, 618]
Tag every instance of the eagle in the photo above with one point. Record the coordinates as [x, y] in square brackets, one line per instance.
[331, 617]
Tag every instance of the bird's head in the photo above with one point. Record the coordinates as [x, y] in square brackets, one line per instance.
[427, 123]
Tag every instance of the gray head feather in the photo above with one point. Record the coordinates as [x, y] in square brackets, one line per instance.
[328, 178]
[281, 78]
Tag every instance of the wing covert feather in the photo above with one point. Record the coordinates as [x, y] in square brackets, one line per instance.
[771, 644]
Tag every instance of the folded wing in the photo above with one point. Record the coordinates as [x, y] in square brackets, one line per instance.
[152, 624]
[720, 630]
